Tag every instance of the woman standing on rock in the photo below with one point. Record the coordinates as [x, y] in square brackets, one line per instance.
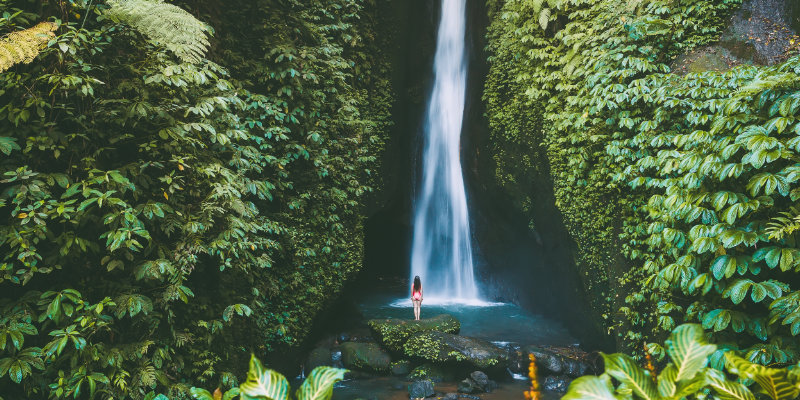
[416, 296]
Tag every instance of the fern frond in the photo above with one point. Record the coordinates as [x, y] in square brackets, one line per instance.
[164, 24]
[23, 46]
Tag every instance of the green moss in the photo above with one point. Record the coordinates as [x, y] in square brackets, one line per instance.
[443, 348]
[393, 333]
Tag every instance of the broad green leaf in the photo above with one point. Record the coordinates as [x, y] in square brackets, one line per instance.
[591, 388]
[622, 368]
[725, 389]
[689, 351]
[263, 384]
[319, 384]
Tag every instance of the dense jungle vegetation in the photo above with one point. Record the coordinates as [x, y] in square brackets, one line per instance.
[184, 184]
[181, 185]
[679, 191]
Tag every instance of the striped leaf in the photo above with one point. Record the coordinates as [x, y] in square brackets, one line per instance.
[725, 389]
[624, 369]
[776, 383]
[591, 388]
[666, 381]
[263, 384]
[689, 351]
[319, 384]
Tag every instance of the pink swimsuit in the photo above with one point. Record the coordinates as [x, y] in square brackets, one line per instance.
[417, 295]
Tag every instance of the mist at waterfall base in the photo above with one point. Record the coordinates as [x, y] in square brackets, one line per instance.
[441, 252]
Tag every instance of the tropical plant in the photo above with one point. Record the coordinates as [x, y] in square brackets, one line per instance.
[687, 375]
[165, 24]
[22, 47]
[266, 384]
[137, 189]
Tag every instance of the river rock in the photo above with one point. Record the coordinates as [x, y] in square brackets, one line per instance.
[429, 371]
[420, 389]
[468, 386]
[365, 357]
[450, 396]
[556, 383]
[393, 333]
[547, 361]
[572, 361]
[401, 367]
[440, 347]
[483, 381]
[318, 357]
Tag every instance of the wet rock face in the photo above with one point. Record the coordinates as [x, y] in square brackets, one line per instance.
[365, 357]
[439, 347]
[393, 333]
[762, 32]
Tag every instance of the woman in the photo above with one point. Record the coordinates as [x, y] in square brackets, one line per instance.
[416, 296]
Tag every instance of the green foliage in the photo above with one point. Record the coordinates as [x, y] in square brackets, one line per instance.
[267, 384]
[165, 24]
[155, 211]
[687, 375]
[23, 47]
[690, 178]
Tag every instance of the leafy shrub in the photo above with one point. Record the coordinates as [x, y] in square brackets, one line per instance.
[687, 375]
[156, 207]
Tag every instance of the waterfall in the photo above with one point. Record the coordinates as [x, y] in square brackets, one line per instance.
[441, 251]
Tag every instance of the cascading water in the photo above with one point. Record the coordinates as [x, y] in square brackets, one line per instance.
[441, 250]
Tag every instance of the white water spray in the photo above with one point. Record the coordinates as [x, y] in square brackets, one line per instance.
[441, 251]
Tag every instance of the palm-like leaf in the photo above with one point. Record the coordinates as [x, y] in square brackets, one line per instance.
[319, 384]
[264, 384]
[689, 351]
[164, 23]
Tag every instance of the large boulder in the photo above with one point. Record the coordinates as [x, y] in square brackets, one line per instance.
[440, 347]
[393, 333]
[365, 357]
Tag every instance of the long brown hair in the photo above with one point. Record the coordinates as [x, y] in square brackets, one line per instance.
[417, 284]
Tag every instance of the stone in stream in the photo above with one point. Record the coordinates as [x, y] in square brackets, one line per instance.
[401, 367]
[420, 389]
[365, 357]
[440, 347]
[477, 382]
[393, 333]
[562, 360]
[556, 383]
[430, 371]
[318, 357]
[483, 381]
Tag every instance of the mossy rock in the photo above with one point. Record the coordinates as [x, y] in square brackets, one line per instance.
[401, 367]
[445, 348]
[365, 357]
[430, 371]
[393, 333]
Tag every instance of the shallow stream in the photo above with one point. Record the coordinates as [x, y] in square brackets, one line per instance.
[495, 322]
